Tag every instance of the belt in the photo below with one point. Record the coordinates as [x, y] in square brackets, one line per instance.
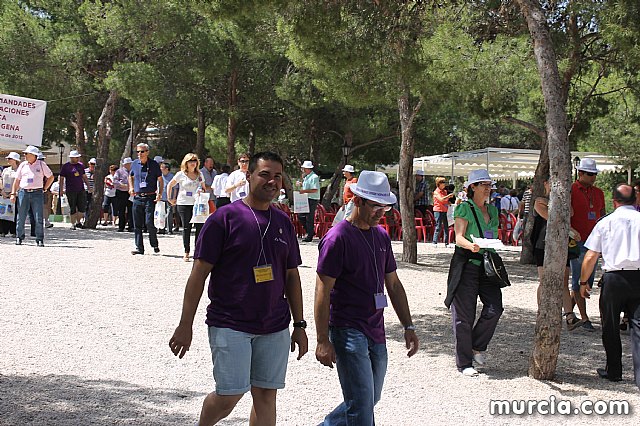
[145, 194]
[32, 190]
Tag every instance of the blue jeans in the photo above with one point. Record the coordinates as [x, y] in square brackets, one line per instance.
[441, 222]
[576, 267]
[143, 212]
[361, 366]
[34, 201]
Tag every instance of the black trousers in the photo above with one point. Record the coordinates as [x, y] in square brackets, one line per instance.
[469, 336]
[222, 201]
[620, 292]
[307, 218]
[186, 213]
[124, 210]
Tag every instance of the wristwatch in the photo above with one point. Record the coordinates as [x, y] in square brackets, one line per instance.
[410, 327]
[300, 324]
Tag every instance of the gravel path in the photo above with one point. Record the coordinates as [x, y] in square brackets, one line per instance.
[86, 326]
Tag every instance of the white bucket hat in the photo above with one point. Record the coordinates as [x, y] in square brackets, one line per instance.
[480, 175]
[74, 154]
[32, 150]
[349, 168]
[13, 156]
[127, 160]
[41, 156]
[307, 165]
[374, 186]
[158, 159]
[92, 161]
[587, 165]
[419, 172]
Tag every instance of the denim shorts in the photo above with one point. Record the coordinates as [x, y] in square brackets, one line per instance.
[242, 360]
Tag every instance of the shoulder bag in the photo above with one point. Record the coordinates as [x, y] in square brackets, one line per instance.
[492, 263]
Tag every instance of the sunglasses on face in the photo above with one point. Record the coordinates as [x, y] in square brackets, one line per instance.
[243, 161]
[590, 174]
[140, 152]
[377, 207]
[192, 160]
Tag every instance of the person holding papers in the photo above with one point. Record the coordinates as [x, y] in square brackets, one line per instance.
[473, 218]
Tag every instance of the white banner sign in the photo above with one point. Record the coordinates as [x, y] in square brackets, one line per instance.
[21, 121]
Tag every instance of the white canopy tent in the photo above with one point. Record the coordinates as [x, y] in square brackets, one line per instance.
[502, 163]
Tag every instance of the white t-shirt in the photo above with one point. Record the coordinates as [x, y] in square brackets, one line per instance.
[188, 188]
[240, 192]
[109, 186]
[8, 176]
[219, 184]
[509, 203]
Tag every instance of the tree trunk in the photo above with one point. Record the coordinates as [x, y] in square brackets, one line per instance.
[405, 176]
[199, 148]
[129, 146]
[105, 130]
[337, 174]
[232, 125]
[546, 346]
[78, 125]
[537, 190]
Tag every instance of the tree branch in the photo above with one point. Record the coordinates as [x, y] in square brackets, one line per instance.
[362, 145]
[529, 126]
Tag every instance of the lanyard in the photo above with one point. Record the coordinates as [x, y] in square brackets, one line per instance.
[589, 196]
[379, 287]
[262, 254]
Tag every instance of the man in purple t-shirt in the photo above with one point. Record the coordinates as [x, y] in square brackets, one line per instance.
[251, 250]
[355, 265]
[72, 182]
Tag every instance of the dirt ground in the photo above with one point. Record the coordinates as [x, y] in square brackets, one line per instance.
[85, 328]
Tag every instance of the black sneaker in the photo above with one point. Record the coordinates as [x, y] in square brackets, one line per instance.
[18, 242]
[156, 249]
[79, 226]
[50, 225]
[134, 252]
[40, 243]
[588, 326]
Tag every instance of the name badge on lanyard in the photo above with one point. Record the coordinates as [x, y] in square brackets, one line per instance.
[143, 184]
[591, 215]
[76, 174]
[263, 273]
[488, 234]
[380, 300]
[29, 180]
[189, 193]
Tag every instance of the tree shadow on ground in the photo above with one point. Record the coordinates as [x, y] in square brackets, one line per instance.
[70, 400]
[581, 351]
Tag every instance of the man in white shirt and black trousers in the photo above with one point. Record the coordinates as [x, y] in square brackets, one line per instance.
[617, 238]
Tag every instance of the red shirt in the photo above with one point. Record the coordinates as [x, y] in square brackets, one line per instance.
[439, 206]
[587, 204]
[347, 195]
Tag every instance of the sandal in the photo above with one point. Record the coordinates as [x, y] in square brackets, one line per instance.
[572, 321]
[186, 257]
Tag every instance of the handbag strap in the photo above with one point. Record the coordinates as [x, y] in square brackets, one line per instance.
[475, 216]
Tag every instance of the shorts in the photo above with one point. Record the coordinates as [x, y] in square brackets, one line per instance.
[77, 202]
[108, 203]
[538, 255]
[241, 360]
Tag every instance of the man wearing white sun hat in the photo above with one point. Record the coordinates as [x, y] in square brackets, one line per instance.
[72, 183]
[355, 265]
[311, 187]
[33, 177]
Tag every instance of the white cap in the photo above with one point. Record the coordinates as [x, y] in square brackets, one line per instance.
[74, 154]
[419, 172]
[13, 156]
[41, 156]
[158, 159]
[32, 150]
[127, 160]
[374, 186]
[349, 168]
[307, 165]
[92, 161]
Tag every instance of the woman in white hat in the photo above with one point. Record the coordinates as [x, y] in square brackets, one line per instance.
[8, 176]
[466, 276]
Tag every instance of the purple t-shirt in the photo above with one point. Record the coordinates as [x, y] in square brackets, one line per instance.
[230, 240]
[72, 174]
[345, 254]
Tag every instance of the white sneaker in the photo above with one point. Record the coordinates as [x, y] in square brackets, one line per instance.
[479, 358]
[470, 372]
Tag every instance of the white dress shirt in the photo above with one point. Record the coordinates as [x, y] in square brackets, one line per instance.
[617, 238]
[241, 191]
[219, 185]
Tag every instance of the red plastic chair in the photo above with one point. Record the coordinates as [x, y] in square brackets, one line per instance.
[430, 225]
